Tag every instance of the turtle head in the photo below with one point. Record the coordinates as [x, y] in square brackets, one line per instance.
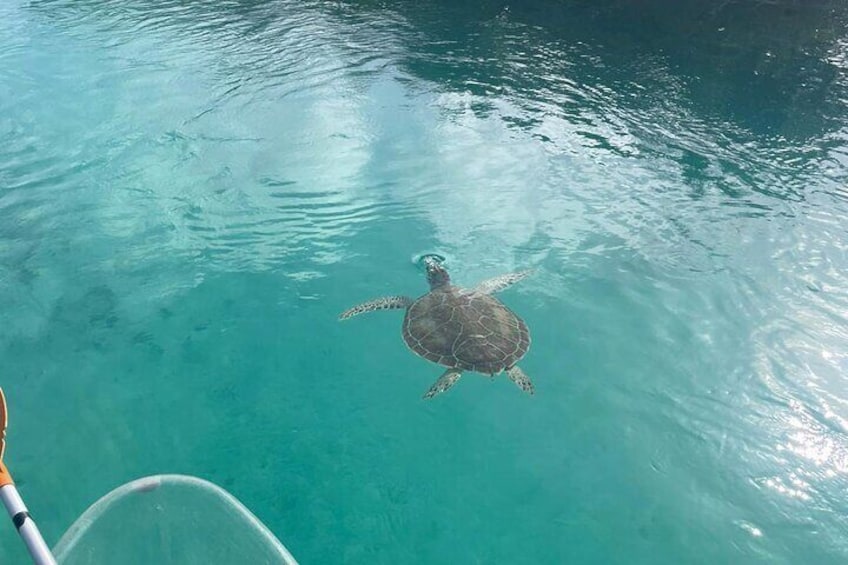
[437, 276]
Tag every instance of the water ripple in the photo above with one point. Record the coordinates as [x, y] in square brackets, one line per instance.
[686, 205]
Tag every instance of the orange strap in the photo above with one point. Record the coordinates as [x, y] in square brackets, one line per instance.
[5, 475]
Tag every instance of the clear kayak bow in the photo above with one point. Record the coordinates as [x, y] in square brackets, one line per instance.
[163, 519]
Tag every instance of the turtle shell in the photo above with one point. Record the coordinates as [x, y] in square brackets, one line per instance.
[466, 330]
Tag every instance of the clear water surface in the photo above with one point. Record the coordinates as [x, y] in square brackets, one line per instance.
[190, 193]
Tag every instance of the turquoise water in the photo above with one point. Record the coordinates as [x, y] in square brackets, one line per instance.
[191, 192]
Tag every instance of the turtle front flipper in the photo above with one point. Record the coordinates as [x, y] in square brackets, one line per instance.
[497, 284]
[517, 376]
[447, 380]
[385, 303]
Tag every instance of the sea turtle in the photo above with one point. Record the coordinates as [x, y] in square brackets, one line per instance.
[464, 330]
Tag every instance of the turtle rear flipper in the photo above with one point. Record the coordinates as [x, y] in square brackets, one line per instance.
[521, 380]
[384, 303]
[447, 380]
[502, 282]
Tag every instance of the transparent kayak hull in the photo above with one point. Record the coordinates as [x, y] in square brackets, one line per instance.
[169, 519]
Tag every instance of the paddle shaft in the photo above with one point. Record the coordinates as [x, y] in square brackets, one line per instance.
[15, 506]
[24, 523]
